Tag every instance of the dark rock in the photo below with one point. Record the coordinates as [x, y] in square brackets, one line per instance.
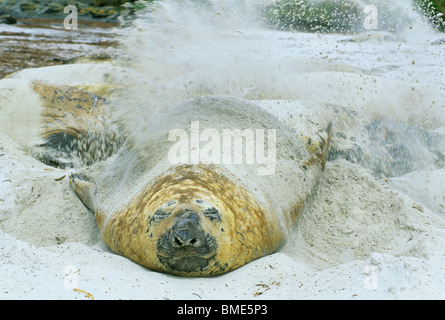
[7, 19]
[108, 10]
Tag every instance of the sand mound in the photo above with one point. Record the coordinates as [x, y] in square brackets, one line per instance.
[356, 239]
[37, 204]
[352, 214]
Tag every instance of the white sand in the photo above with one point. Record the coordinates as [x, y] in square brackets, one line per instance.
[360, 239]
[357, 237]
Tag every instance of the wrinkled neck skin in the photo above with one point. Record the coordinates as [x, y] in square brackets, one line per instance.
[192, 211]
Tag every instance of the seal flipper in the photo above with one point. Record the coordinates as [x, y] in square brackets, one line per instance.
[75, 126]
[320, 148]
[84, 187]
[59, 148]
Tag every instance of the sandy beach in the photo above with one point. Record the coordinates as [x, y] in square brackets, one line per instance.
[356, 249]
[361, 235]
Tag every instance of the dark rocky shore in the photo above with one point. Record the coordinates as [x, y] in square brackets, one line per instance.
[86, 9]
[24, 43]
[32, 33]
[36, 42]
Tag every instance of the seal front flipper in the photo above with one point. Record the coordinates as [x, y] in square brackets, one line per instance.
[84, 187]
[75, 129]
[320, 147]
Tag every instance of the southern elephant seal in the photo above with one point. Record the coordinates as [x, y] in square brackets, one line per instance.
[198, 196]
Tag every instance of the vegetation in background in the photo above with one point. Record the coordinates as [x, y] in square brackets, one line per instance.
[314, 16]
[345, 16]
[434, 11]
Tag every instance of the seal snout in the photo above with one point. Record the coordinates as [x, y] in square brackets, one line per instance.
[187, 232]
[186, 247]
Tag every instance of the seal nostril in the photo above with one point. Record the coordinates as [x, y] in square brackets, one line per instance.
[178, 241]
[187, 232]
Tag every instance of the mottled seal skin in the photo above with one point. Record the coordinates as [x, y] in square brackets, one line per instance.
[202, 219]
[187, 223]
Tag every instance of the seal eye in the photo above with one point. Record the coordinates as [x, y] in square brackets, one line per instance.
[159, 215]
[212, 214]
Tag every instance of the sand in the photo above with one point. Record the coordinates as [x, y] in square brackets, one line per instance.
[357, 238]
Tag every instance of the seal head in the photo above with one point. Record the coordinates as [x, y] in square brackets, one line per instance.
[186, 247]
[187, 224]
